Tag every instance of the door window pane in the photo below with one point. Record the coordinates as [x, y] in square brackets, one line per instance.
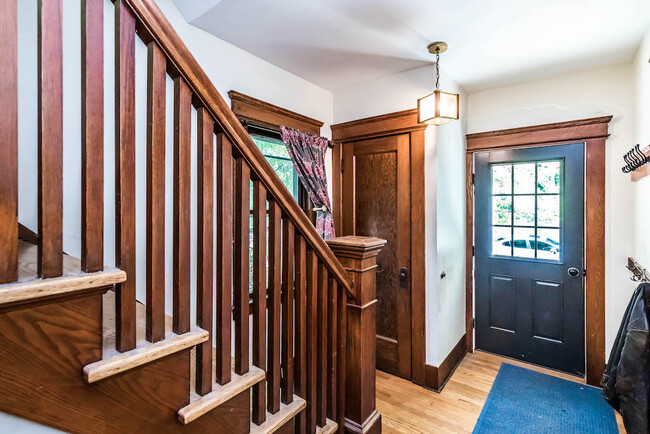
[502, 210]
[524, 178]
[502, 179]
[548, 177]
[525, 210]
[524, 243]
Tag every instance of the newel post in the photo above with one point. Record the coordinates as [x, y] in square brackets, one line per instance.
[359, 256]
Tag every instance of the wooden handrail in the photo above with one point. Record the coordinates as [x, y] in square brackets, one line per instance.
[181, 61]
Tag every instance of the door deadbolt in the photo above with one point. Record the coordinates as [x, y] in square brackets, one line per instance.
[403, 273]
[573, 272]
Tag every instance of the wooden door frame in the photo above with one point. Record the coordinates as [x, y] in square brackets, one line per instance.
[403, 122]
[593, 133]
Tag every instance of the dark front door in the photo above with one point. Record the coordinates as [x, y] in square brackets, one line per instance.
[376, 203]
[529, 223]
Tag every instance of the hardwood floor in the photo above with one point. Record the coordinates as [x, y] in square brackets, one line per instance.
[408, 408]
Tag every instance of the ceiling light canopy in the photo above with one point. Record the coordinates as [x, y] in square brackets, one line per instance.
[438, 107]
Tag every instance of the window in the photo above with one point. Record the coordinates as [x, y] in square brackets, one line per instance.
[526, 211]
[277, 155]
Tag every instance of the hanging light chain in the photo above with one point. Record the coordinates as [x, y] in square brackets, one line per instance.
[437, 68]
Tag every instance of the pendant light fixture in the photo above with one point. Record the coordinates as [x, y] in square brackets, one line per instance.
[438, 107]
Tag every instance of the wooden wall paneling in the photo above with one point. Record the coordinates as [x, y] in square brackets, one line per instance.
[182, 182]
[50, 138]
[332, 349]
[274, 332]
[595, 259]
[156, 102]
[288, 261]
[593, 132]
[241, 264]
[321, 394]
[9, 142]
[204, 254]
[312, 339]
[263, 113]
[224, 258]
[300, 352]
[259, 298]
[336, 189]
[418, 266]
[469, 251]
[125, 174]
[92, 135]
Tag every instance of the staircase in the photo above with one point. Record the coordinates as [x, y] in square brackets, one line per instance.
[79, 353]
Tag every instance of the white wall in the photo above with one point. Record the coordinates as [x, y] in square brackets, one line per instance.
[444, 196]
[586, 94]
[642, 131]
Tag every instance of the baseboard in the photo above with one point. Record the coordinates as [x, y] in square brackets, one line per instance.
[437, 377]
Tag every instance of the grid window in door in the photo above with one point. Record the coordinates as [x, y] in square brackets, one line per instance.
[526, 211]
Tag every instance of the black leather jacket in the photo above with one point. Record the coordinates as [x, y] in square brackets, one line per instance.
[626, 381]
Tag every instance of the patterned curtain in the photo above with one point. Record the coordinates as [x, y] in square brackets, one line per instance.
[308, 155]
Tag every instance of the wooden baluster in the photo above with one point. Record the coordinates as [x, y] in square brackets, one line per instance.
[287, 310]
[332, 349]
[259, 297]
[342, 354]
[312, 343]
[224, 258]
[300, 352]
[92, 135]
[273, 368]
[321, 398]
[125, 174]
[241, 263]
[156, 102]
[50, 139]
[205, 229]
[8, 142]
[182, 182]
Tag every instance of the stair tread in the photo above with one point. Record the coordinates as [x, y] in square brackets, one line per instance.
[330, 427]
[276, 421]
[29, 287]
[200, 405]
[144, 353]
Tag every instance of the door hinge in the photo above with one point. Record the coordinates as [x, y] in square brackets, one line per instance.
[473, 250]
[342, 161]
[473, 323]
[473, 178]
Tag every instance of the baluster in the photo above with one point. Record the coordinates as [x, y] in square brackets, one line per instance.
[125, 174]
[287, 310]
[259, 297]
[205, 225]
[224, 258]
[241, 264]
[273, 368]
[50, 139]
[92, 135]
[321, 398]
[8, 142]
[156, 102]
[182, 137]
[301, 329]
[312, 344]
[332, 349]
[342, 354]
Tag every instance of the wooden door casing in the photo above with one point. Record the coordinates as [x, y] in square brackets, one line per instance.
[377, 202]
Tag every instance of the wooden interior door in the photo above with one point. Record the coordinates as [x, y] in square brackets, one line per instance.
[376, 201]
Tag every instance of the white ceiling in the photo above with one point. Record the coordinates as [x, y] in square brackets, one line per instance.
[340, 43]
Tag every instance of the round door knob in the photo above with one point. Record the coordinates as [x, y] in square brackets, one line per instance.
[573, 272]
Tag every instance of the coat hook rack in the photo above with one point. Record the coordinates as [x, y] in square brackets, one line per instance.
[639, 274]
[636, 158]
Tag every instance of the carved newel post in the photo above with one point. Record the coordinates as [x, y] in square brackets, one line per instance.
[359, 256]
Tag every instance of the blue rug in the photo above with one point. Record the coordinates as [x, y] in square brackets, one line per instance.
[525, 401]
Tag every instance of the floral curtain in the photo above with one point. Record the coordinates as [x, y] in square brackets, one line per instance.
[308, 155]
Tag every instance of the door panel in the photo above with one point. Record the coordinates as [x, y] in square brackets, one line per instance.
[376, 202]
[529, 232]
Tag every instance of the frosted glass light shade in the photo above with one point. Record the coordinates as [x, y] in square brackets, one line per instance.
[438, 108]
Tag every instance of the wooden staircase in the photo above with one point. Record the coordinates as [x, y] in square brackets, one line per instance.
[79, 353]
